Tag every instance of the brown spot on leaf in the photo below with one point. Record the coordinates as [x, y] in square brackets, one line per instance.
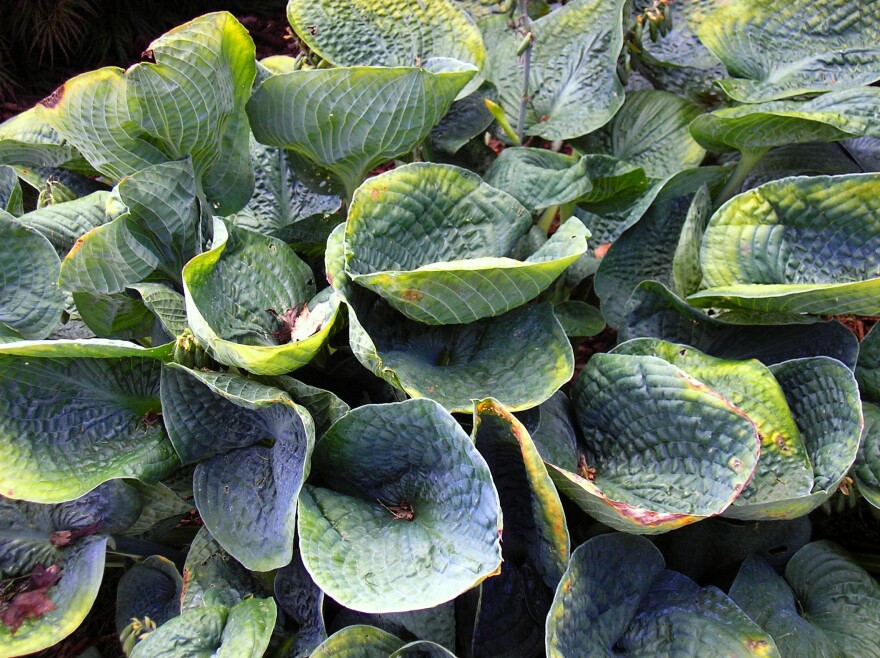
[54, 98]
[782, 445]
[601, 250]
[60, 538]
[25, 597]
[374, 194]
[412, 296]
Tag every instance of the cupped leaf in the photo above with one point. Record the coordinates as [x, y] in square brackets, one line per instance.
[61, 608]
[232, 291]
[151, 589]
[777, 49]
[349, 120]
[247, 495]
[552, 428]
[395, 33]
[30, 299]
[189, 102]
[826, 605]
[116, 315]
[784, 470]
[211, 576]
[660, 448]
[535, 545]
[10, 191]
[407, 517]
[868, 367]
[827, 118]
[616, 596]
[69, 424]
[573, 86]
[398, 244]
[455, 364]
[166, 304]
[805, 245]
[241, 631]
[539, 178]
[579, 318]
[433, 625]
[465, 119]
[866, 469]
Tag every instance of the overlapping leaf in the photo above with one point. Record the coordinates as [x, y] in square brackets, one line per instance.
[149, 589]
[159, 232]
[239, 631]
[190, 102]
[231, 291]
[826, 605]
[777, 49]
[573, 86]
[401, 482]
[660, 448]
[539, 178]
[617, 597]
[434, 241]
[868, 368]
[805, 245]
[349, 120]
[396, 33]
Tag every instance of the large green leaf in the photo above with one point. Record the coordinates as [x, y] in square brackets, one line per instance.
[866, 469]
[230, 290]
[407, 517]
[69, 424]
[95, 348]
[166, 304]
[827, 118]
[10, 191]
[388, 33]
[784, 470]
[826, 607]
[660, 448]
[30, 299]
[246, 495]
[655, 311]
[351, 119]
[535, 546]
[241, 631]
[158, 233]
[190, 102]
[434, 241]
[798, 244]
[868, 368]
[617, 599]
[573, 87]
[117, 315]
[539, 178]
[781, 48]
[359, 641]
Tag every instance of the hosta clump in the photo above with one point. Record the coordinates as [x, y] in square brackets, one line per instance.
[381, 216]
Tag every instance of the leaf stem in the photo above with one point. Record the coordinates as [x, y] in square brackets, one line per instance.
[747, 160]
[526, 25]
[546, 219]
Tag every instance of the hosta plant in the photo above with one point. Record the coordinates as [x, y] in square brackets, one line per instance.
[298, 356]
